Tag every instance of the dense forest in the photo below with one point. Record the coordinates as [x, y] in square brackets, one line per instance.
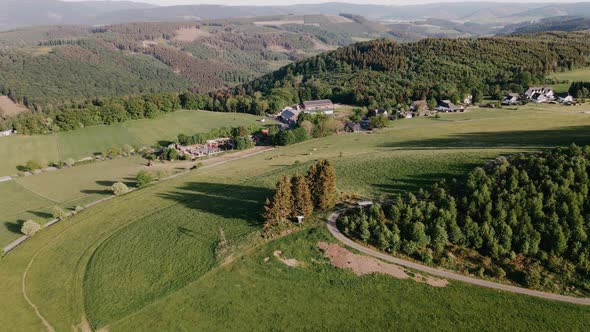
[525, 217]
[44, 67]
[384, 73]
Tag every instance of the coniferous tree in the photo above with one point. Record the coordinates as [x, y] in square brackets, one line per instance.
[302, 202]
[322, 179]
[279, 208]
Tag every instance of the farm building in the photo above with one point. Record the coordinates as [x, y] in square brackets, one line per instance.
[448, 106]
[511, 99]
[540, 94]
[318, 105]
[289, 115]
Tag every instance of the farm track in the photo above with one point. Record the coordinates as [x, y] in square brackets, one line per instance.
[331, 224]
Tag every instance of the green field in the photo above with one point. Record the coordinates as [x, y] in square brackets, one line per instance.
[77, 144]
[151, 260]
[582, 74]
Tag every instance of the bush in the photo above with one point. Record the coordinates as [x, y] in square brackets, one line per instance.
[30, 228]
[59, 213]
[170, 154]
[144, 178]
[32, 165]
[243, 143]
[119, 188]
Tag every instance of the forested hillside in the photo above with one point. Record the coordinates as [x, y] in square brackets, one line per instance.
[44, 66]
[384, 73]
[524, 217]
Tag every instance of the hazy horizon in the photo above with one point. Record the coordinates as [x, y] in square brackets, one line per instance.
[296, 2]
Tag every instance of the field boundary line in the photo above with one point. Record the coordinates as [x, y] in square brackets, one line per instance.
[33, 192]
[331, 225]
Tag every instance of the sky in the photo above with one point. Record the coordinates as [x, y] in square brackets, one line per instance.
[291, 2]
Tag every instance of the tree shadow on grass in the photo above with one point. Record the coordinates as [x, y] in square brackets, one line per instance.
[421, 181]
[224, 200]
[14, 227]
[504, 139]
[41, 214]
[107, 187]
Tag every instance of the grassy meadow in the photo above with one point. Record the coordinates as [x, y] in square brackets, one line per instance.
[582, 74]
[152, 260]
[77, 144]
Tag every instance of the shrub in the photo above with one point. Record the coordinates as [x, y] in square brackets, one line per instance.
[31, 165]
[119, 188]
[144, 178]
[30, 227]
[170, 154]
[59, 213]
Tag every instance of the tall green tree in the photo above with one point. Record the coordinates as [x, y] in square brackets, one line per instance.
[278, 209]
[322, 179]
[302, 203]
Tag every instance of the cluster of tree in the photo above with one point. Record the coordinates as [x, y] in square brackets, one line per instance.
[108, 111]
[527, 213]
[386, 74]
[580, 89]
[202, 138]
[300, 196]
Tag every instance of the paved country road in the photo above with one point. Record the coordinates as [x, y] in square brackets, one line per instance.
[444, 273]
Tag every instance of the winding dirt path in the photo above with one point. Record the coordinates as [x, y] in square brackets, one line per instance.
[444, 273]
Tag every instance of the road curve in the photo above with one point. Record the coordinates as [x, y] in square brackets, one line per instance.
[444, 273]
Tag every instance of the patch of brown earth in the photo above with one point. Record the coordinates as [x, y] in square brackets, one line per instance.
[190, 34]
[362, 265]
[9, 108]
[292, 262]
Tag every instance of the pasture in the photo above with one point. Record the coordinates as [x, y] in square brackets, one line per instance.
[77, 144]
[151, 260]
[582, 74]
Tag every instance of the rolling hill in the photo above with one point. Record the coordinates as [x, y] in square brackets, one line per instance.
[387, 74]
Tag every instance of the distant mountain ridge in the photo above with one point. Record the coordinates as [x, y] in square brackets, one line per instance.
[18, 13]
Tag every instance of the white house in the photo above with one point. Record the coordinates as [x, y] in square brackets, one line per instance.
[540, 94]
[566, 100]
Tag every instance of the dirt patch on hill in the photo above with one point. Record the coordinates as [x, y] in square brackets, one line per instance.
[190, 34]
[292, 262]
[361, 265]
[8, 108]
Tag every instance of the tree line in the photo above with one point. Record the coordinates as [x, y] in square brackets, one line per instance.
[529, 214]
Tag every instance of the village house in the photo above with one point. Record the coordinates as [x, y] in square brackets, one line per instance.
[377, 112]
[511, 99]
[289, 115]
[447, 106]
[314, 106]
[540, 94]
